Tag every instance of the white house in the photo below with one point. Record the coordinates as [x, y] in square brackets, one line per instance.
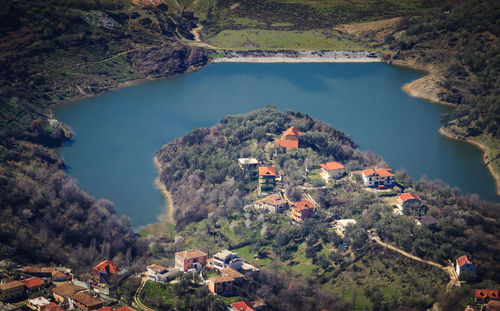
[156, 273]
[248, 163]
[464, 263]
[332, 170]
[273, 203]
[378, 177]
[37, 303]
[341, 224]
[223, 259]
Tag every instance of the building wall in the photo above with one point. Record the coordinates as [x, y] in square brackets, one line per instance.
[11, 293]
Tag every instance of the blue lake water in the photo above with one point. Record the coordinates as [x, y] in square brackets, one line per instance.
[118, 133]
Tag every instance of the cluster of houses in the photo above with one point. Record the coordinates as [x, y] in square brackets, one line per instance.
[485, 300]
[61, 290]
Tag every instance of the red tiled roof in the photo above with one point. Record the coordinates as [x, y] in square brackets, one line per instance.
[107, 266]
[67, 289]
[32, 282]
[124, 309]
[288, 144]
[463, 260]
[493, 304]
[220, 279]
[231, 273]
[243, 306]
[330, 166]
[157, 268]
[487, 293]
[408, 196]
[273, 199]
[267, 171]
[58, 274]
[86, 299]
[302, 205]
[382, 172]
[32, 269]
[52, 307]
[105, 309]
[292, 131]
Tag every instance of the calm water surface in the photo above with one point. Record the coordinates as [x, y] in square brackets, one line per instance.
[118, 133]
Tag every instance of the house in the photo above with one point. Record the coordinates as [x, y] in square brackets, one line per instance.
[52, 307]
[221, 285]
[45, 272]
[190, 259]
[332, 170]
[426, 220]
[273, 203]
[378, 177]
[238, 277]
[493, 305]
[259, 304]
[248, 164]
[11, 290]
[406, 200]
[485, 295]
[33, 284]
[342, 224]
[102, 271]
[464, 263]
[37, 304]
[58, 276]
[223, 259]
[242, 306]
[267, 178]
[302, 210]
[84, 302]
[290, 138]
[157, 273]
[62, 292]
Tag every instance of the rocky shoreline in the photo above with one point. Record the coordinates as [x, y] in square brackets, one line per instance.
[292, 56]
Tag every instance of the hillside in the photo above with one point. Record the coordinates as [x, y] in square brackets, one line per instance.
[214, 209]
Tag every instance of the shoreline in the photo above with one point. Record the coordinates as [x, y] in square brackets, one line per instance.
[169, 206]
[282, 59]
[447, 133]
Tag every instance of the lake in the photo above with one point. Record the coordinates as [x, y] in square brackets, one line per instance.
[118, 133]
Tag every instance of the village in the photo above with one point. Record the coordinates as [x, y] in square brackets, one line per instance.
[58, 289]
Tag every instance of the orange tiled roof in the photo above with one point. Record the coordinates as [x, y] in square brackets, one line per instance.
[58, 274]
[408, 196]
[124, 309]
[52, 307]
[273, 199]
[302, 205]
[157, 268]
[487, 293]
[32, 269]
[288, 144]
[105, 309]
[330, 166]
[267, 171]
[10, 285]
[32, 282]
[382, 172]
[86, 299]
[191, 253]
[463, 260]
[231, 273]
[220, 279]
[292, 131]
[107, 266]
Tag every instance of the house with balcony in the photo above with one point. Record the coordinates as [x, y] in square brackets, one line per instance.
[332, 170]
[302, 210]
[378, 177]
[273, 203]
[267, 178]
[190, 259]
[223, 259]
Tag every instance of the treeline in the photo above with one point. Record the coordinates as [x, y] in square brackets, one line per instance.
[462, 38]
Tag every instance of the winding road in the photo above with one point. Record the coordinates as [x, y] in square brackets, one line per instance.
[137, 296]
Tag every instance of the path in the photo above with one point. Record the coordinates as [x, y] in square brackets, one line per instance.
[447, 269]
[197, 38]
[137, 295]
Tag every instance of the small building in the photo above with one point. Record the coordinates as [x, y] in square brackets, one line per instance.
[190, 259]
[33, 284]
[485, 295]
[104, 269]
[302, 210]
[267, 178]
[273, 203]
[53, 307]
[242, 306]
[238, 277]
[378, 177]
[248, 164]
[11, 290]
[221, 285]
[493, 305]
[464, 263]
[290, 138]
[223, 259]
[62, 292]
[426, 220]
[406, 200]
[342, 224]
[45, 272]
[332, 170]
[84, 302]
[157, 273]
[59, 276]
[37, 304]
